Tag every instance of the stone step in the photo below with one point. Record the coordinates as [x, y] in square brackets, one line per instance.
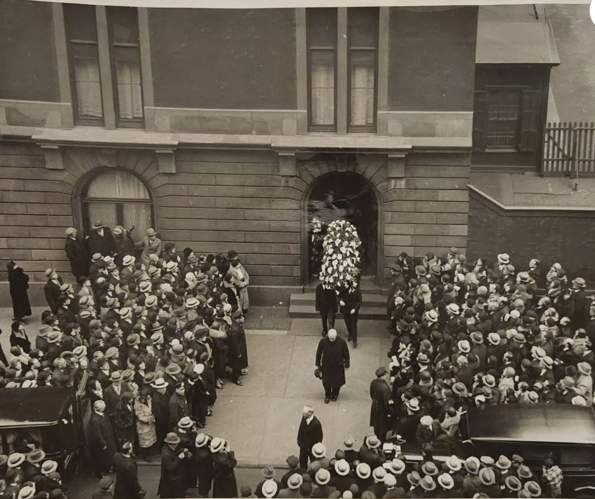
[367, 286]
[309, 311]
[373, 300]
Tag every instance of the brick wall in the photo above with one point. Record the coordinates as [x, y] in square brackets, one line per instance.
[428, 209]
[222, 200]
[564, 237]
[35, 209]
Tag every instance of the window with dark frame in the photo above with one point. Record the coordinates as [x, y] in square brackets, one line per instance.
[83, 53]
[362, 39]
[322, 69]
[126, 68]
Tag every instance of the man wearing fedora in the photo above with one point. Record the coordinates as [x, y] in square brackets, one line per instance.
[160, 408]
[326, 304]
[268, 472]
[322, 479]
[127, 484]
[172, 483]
[294, 482]
[102, 444]
[309, 434]
[51, 290]
[76, 252]
[151, 245]
[101, 240]
[203, 461]
[178, 406]
[381, 410]
[332, 358]
[123, 244]
[113, 393]
[369, 452]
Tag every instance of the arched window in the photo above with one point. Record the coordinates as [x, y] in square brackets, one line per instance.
[117, 197]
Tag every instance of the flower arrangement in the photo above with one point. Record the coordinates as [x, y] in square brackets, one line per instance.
[341, 256]
[316, 226]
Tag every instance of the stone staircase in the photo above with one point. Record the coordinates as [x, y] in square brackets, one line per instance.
[302, 305]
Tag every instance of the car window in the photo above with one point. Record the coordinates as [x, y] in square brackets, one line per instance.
[537, 454]
[577, 456]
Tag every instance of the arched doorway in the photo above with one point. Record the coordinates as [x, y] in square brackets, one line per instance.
[349, 196]
[117, 197]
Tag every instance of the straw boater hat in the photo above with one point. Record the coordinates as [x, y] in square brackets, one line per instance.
[49, 467]
[27, 492]
[446, 481]
[185, 423]
[342, 467]
[217, 444]
[322, 476]
[363, 470]
[294, 482]
[159, 383]
[504, 259]
[454, 463]
[15, 459]
[201, 440]
[319, 450]
[372, 442]
[378, 474]
[397, 466]
[427, 483]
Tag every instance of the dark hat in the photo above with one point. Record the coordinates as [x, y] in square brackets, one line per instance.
[292, 461]
[381, 371]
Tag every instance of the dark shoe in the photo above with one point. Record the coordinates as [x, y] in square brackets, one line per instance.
[334, 399]
[355, 344]
[327, 400]
[349, 338]
[239, 383]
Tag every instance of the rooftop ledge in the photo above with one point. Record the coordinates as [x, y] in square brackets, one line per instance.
[100, 137]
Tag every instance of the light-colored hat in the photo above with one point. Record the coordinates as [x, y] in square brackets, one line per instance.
[319, 450]
[128, 260]
[487, 477]
[397, 466]
[217, 444]
[151, 301]
[533, 488]
[472, 465]
[427, 483]
[185, 422]
[201, 440]
[26, 493]
[446, 481]
[48, 467]
[15, 459]
[494, 338]
[372, 442]
[98, 224]
[363, 470]
[584, 368]
[294, 482]
[151, 232]
[390, 480]
[379, 473]
[503, 463]
[322, 476]
[503, 258]
[579, 282]
[342, 467]
[453, 463]
[199, 369]
[464, 346]
[36, 456]
[159, 383]
[349, 442]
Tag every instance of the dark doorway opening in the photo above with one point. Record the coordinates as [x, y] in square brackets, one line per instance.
[347, 196]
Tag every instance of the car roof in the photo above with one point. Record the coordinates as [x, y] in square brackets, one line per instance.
[535, 423]
[31, 407]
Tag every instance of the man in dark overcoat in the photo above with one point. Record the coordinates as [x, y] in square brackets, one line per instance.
[332, 358]
[160, 409]
[101, 438]
[238, 350]
[326, 303]
[380, 412]
[224, 462]
[127, 484]
[123, 244]
[203, 460]
[76, 252]
[172, 466]
[309, 434]
[101, 240]
[350, 302]
[52, 291]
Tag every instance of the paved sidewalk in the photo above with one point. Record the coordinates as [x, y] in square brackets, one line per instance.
[261, 418]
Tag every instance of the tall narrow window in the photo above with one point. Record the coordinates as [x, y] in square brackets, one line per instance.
[81, 31]
[322, 68]
[362, 29]
[125, 59]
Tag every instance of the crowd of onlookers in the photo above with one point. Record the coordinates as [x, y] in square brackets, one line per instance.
[374, 471]
[158, 331]
[154, 332]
